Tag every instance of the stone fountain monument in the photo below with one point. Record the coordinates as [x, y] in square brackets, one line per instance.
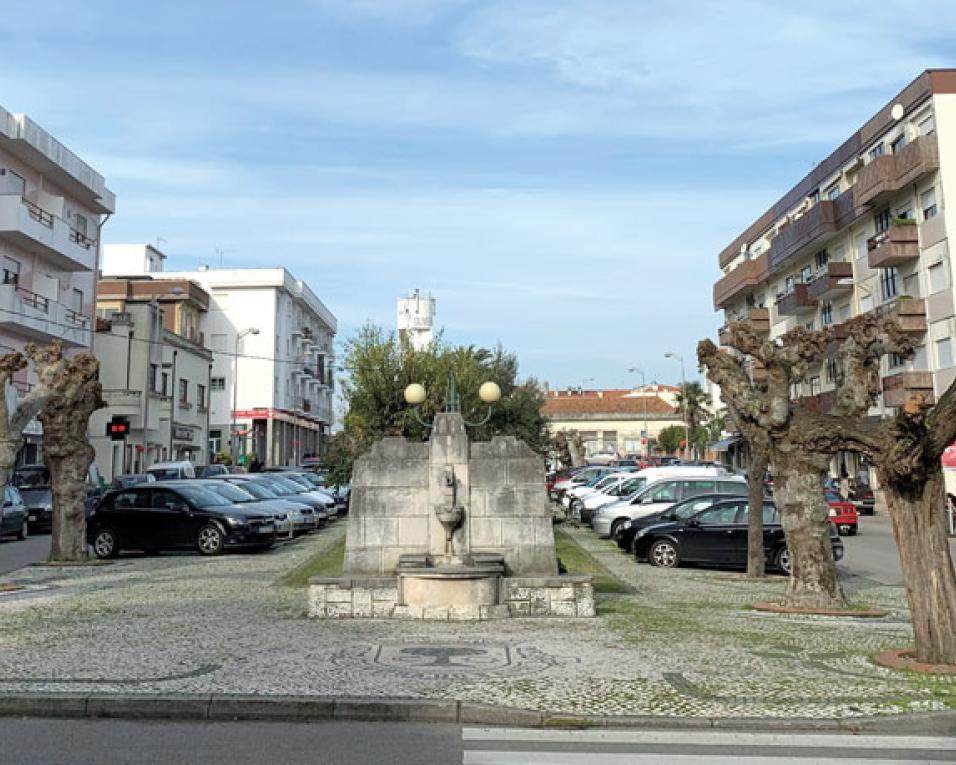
[450, 529]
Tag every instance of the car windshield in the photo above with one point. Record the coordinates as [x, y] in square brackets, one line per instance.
[289, 484]
[282, 488]
[257, 490]
[32, 479]
[633, 485]
[297, 479]
[165, 474]
[230, 492]
[203, 497]
[310, 479]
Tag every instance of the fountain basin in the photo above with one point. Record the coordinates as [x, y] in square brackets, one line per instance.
[455, 587]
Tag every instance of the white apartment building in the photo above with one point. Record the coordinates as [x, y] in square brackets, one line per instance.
[866, 230]
[416, 319]
[52, 206]
[271, 338]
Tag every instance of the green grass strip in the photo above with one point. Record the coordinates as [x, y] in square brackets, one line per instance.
[329, 562]
[577, 560]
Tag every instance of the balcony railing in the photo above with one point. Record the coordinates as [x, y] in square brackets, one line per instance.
[821, 402]
[747, 275]
[78, 237]
[891, 172]
[792, 303]
[909, 312]
[832, 278]
[38, 213]
[818, 221]
[893, 247]
[27, 225]
[757, 318]
[899, 388]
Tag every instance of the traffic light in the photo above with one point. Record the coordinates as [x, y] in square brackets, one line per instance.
[118, 427]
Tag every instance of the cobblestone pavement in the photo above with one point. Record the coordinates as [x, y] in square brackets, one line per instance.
[683, 643]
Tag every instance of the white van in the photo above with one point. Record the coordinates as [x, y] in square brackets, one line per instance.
[584, 505]
[172, 471]
[661, 494]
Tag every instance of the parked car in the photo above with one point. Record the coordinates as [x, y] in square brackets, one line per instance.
[584, 475]
[717, 536]
[843, 515]
[241, 496]
[33, 483]
[301, 515]
[13, 514]
[313, 506]
[625, 533]
[131, 479]
[208, 471]
[861, 497]
[175, 515]
[663, 493]
[172, 471]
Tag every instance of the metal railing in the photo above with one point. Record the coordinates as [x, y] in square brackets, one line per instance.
[38, 213]
[33, 300]
[78, 237]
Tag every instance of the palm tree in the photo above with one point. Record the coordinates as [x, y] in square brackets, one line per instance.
[697, 403]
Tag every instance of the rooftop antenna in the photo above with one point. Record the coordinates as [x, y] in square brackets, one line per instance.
[220, 252]
[160, 239]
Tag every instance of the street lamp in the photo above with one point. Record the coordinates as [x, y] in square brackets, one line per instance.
[647, 432]
[683, 389]
[235, 391]
[489, 393]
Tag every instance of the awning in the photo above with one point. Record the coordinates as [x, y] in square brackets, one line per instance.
[724, 444]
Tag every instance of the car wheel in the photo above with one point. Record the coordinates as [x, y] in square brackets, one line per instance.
[616, 527]
[783, 561]
[663, 554]
[209, 539]
[24, 531]
[105, 543]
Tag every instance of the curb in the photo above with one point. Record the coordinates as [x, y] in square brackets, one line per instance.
[224, 707]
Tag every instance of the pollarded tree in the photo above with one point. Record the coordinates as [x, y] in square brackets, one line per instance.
[12, 423]
[799, 473]
[75, 393]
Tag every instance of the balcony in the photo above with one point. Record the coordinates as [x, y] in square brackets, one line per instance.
[39, 318]
[758, 319]
[900, 387]
[889, 173]
[31, 228]
[747, 275]
[820, 220]
[909, 312]
[798, 301]
[831, 279]
[821, 403]
[897, 245]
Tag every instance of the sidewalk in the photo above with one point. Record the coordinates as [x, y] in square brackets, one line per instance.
[681, 645]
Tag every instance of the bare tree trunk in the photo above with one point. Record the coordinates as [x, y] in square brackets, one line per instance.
[68, 481]
[756, 556]
[920, 530]
[798, 490]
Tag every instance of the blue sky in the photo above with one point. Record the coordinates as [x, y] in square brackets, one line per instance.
[561, 174]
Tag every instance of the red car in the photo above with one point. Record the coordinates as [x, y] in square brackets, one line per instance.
[843, 515]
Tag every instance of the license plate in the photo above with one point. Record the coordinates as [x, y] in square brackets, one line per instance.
[267, 529]
[33, 517]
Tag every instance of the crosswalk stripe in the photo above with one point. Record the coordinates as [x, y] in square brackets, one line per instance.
[710, 738]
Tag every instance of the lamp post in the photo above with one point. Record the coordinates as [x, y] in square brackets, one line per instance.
[647, 433]
[489, 393]
[235, 391]
[683, 397]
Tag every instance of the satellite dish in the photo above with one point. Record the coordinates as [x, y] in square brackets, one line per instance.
[897, 111]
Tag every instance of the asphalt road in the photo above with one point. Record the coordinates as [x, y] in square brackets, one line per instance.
[14, 554]
[113, 742]
[872, 553]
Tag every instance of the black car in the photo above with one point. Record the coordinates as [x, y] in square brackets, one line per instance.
[131, 479]
[33, 482]
[174, 516]
[624, 534]
[718, 536]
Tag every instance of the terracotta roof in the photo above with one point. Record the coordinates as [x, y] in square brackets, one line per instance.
[556, 406]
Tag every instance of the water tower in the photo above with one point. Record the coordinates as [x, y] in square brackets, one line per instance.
[416, 316]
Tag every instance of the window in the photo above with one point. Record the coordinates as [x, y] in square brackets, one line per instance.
[810, 325]
[866, 303]
[834, 191]
[888, 288]
[719, 516]
[937, 277]
[821, 259]
[844, 312]
[151, 378]
[882, 221]
[815, 196]
[898, 143]
[732, 487]
[183, 391]
[788, 290]
[927, 126]
[826, 314]
[859, 245]
[944, 353]
[164, 389]
[217, 384]
[815, 385]
[688, 509]
[693, 488]
[806, 274]
[201, 396]
[131, 500]
[839, 254]
[927, 202]
[895, 361]
[11, 270]
[876, 151]
[80, 223]
[166, 500]
[215, 441]
[906, 213]
[77, 300]
[832, 371]
[664, 492]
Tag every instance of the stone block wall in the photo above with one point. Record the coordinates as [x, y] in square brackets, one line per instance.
[348, 598]
[570, 595]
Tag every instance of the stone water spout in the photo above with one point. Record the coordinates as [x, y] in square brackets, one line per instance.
[451, 517]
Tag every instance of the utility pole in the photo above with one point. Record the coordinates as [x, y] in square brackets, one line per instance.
[683, 398]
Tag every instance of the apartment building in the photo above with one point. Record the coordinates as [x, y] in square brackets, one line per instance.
[271, 338]
[865, 231]
[52, 206]
[155, 370]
